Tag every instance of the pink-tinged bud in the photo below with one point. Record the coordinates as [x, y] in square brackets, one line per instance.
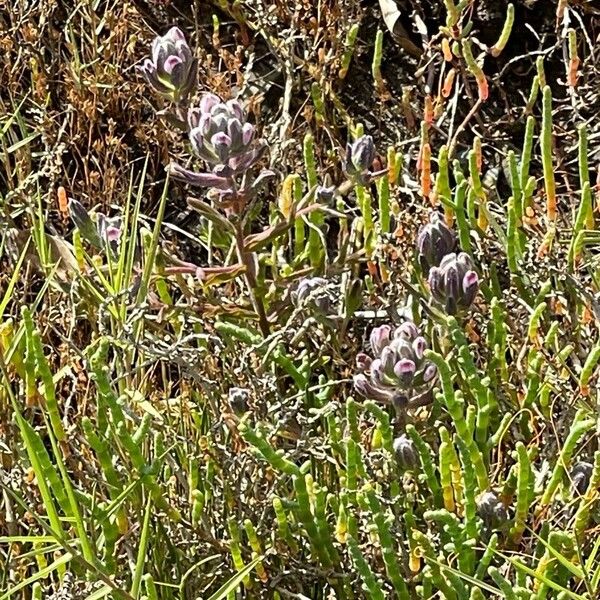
[235, 109]
[363, 362]
[204, 123]
[435, 281]
[221, 143]
[377, 374]
[405, 370]
[455, 283]
[406, 453]
[364, 387]
[380, 338]
[175, 35]
[194, 116]
[419, 347]
[171, 62]
[429, 373]
[234, 129]
[112, 233]
[434, 241]
[363, 153]
[218, 123]
[470, 287]
[208, 101]
[471, 279]
[452, 282]
[407, 331]
[247, 133]
[388, 360]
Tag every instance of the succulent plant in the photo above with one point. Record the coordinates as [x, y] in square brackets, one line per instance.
[406, 453]
[434, 241]
[491, 510]
[399, 366]
[312, 293]
[172, 70]
[359, 158]
[454, 283]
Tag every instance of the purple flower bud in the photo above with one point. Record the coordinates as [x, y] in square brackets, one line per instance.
[406, 453]
[236, 109]
[377, 374]
[407, 331]
[454, 284]
[364, 387]
[363, 153]
[419, 346]
[175, 35]
[247, 133]
[435, 281]
[363, 362]
[580, 476]
[221, 143]
[113, 233]
[429, 373]
[359, 158]
[171, 63]
[234, 130]
[434, 241]
[380, 338]
[388, 361]
[208, 101]
[172, 69]
[405, 370]
[220, 139]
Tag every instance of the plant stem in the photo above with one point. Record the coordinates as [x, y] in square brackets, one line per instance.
[247, 259]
